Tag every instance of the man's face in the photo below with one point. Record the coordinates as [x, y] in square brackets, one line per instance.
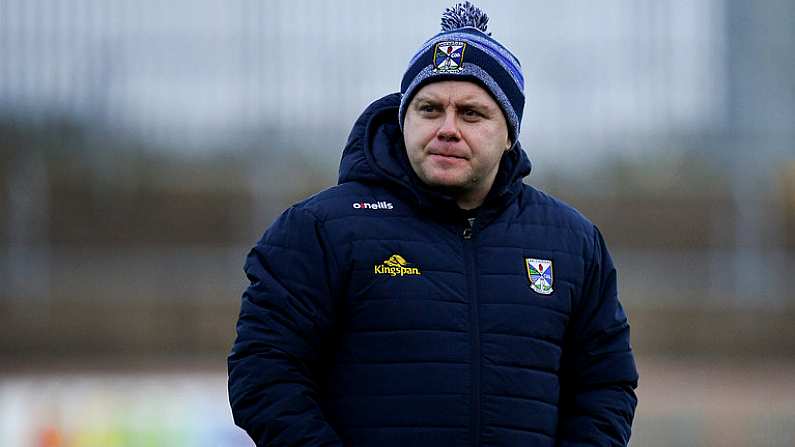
[455, 135]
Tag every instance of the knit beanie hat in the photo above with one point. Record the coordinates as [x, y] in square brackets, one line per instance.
[464, 51]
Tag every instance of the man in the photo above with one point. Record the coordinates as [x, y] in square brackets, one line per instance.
[431, 298]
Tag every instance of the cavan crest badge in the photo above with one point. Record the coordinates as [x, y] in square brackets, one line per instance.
[448, 57]
[539, 271]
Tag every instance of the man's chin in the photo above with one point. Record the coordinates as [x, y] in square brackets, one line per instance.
[451, 187]
[447, 178]
[444, 183]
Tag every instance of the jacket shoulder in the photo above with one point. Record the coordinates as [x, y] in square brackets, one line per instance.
[344, 199]
[545, 209]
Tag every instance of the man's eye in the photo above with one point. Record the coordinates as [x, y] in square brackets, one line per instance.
[427, 108]
[469, 113]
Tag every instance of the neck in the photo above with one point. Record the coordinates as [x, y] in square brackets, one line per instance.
[468, 206]
[471, 200]
[468, 199]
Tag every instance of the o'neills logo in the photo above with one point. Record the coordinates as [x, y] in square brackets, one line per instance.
[374, 206]
[396, 266]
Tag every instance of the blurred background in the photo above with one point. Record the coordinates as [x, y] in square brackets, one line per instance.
[146, 145]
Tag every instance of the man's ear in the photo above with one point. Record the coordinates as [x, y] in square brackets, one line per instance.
[509, 145]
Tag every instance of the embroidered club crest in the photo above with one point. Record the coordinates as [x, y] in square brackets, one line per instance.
[448, 57]
[539, 271]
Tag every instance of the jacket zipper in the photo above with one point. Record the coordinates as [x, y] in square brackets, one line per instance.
[474, 318]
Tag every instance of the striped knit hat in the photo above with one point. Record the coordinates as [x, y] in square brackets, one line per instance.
[464, 51]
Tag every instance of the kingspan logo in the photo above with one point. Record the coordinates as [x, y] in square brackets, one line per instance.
[396, 266]
[374, 206]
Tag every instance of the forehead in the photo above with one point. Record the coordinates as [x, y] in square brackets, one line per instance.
[457, 91]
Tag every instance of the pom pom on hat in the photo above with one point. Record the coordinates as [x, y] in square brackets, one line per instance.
[463, 15]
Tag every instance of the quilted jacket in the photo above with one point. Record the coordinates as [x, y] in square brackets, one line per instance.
[381, 315]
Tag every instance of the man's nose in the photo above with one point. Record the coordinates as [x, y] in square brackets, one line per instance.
[448, 131]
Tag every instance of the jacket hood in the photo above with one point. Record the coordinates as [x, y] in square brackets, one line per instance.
[375, 153]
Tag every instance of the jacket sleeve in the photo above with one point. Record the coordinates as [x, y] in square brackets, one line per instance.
[286, 316]
[598, 373]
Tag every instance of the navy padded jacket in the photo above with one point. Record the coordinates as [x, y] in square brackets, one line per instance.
[376, 317]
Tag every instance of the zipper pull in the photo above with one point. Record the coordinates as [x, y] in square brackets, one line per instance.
[470, 222]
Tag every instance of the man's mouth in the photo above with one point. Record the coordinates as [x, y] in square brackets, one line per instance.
[446, 158]
[447, 155]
